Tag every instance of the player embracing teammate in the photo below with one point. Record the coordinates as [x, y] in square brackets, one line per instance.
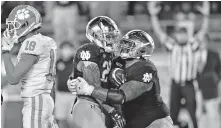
[138, 87]
[93, 62]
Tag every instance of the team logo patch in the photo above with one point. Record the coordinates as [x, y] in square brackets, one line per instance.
[22, 14]
[85, 55]
[147, 77]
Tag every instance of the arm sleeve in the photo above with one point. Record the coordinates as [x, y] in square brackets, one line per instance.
[111, 96]
[15, 74]
[127, 92]
[134, 89]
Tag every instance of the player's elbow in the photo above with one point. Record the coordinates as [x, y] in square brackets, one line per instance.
[116, 97]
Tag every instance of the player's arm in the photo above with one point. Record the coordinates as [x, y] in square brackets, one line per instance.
[91, 72]
[4, 81]
[128, 91]
[16, 73]
[205, 10]
[154, 11]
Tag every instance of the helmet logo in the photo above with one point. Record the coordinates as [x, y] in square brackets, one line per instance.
[22, 14]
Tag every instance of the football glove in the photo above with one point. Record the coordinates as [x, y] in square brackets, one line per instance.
[7, 42]
[52, 122]
[6, 45]
[72, 84]
[117, 77]
[83, 88]
[118, 119]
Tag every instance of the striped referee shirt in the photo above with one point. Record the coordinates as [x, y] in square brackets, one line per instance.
[183, 61]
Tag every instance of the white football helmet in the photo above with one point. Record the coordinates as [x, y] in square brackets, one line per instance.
[136, 44]
[104, 32]
[22, 20]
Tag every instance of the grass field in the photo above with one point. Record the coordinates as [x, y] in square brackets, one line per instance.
[11, 110]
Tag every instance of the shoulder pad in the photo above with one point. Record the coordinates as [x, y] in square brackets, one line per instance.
[50, 43]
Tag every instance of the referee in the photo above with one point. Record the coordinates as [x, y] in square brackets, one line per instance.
[183, 64]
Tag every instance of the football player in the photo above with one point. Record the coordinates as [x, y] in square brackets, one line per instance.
[93, 62]
[143, 106]
[35, 68]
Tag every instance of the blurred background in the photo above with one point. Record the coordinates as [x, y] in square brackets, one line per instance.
[66, 21]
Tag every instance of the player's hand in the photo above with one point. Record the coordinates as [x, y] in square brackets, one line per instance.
[72, 84]
[205, 8]
[52, 122]
[153, 8]
[118, 119]
[7, 42]
[83, 88]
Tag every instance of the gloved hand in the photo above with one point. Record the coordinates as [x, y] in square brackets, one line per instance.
[83, 88]
[6, 45]
[72, 84]
[7, 42]
[118, 119]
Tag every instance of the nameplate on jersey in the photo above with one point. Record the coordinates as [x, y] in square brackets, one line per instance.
[147, 77]
[85, 55]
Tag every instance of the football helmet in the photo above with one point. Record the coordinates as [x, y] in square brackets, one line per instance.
[136, 44]
[104, 32]
[22, 20]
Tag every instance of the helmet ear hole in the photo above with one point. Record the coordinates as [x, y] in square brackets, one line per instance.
[142, 50]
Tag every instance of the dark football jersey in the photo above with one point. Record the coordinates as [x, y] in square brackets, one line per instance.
[93, 53]
[118, 62]
[143, 110]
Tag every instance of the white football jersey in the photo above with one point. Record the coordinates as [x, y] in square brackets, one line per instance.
[40, 78]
